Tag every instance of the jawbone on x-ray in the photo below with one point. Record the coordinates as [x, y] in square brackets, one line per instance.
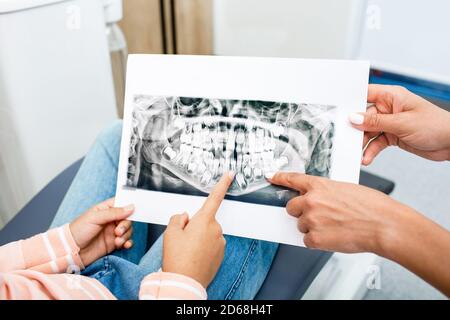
[185, 144]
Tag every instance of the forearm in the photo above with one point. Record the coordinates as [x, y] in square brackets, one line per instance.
[437, 132]
[50, 252]
[445, 127]
[421, 246]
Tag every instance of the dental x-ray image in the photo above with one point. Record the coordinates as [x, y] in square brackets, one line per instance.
[184, 144]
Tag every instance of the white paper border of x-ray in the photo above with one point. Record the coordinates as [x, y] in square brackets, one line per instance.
[331, 82]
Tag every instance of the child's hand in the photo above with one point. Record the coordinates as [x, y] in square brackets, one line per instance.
[101, 230]
[195, 247]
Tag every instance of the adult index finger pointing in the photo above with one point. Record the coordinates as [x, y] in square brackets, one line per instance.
[293, 180]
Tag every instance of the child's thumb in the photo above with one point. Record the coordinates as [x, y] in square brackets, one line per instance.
[112, 214]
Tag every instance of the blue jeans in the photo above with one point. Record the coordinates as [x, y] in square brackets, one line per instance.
[240, 276]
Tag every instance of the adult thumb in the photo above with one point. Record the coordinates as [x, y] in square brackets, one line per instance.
[375, 122]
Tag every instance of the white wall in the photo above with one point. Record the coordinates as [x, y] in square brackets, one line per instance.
[287, 28]
[410, 37]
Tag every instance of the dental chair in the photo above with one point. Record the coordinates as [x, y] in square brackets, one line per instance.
[292, 272]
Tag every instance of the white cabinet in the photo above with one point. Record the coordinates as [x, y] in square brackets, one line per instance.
[56, 91]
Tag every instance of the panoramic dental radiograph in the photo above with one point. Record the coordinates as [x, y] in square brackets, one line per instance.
[184, 145]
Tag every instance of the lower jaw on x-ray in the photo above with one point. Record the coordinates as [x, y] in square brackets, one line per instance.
[184, 145]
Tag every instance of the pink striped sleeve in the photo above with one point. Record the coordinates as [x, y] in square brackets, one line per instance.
[52, 252]
[11, 257]
[170, 286]
[29, 284]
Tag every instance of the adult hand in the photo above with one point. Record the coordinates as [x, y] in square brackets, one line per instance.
[344, 217]
[350, 218]
[407, 120]
[195, 247]
[101, 230]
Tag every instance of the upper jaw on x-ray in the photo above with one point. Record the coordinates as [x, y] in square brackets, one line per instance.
[185, 145]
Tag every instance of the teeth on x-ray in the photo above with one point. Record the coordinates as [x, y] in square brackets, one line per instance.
[197, 140]
[206, 152]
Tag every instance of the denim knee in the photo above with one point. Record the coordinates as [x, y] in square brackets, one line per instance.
[112, 133]
[109, 139]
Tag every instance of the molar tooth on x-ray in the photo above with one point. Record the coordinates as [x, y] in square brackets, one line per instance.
[184, 145]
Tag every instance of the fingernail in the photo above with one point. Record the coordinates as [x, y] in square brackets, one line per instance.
[365, 160]
[231, 174]
[130, 243]
[269, 175]
[356, 118]
[122, 230]
[129, 208]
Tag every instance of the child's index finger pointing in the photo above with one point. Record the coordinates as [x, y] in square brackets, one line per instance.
[215, 198]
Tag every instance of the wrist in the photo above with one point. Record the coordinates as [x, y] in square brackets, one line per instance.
[84, 258]
[73, 233]
[399, 232]
[447, 134]
[73, 246]
[81, 251]
[183, 272]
